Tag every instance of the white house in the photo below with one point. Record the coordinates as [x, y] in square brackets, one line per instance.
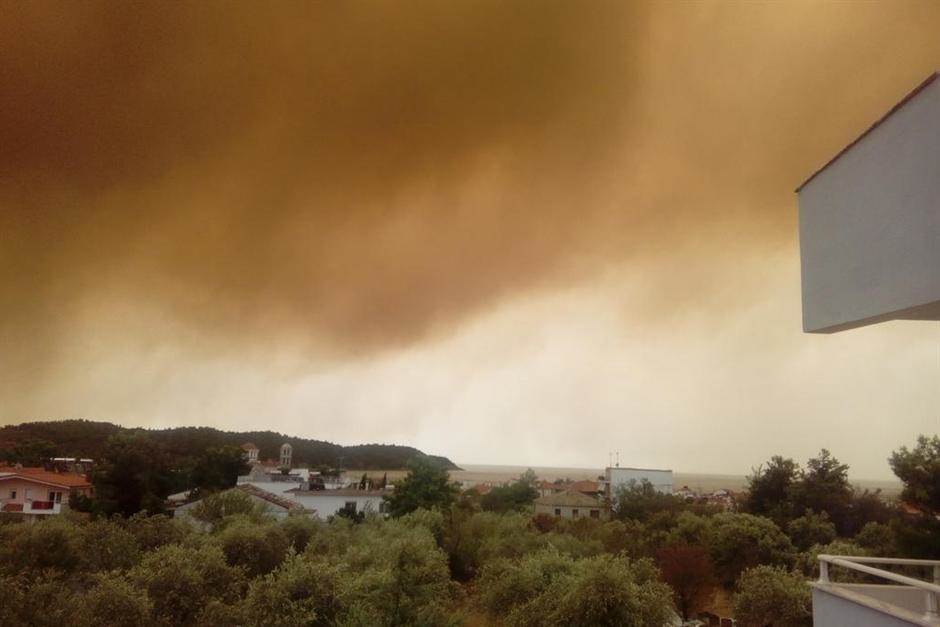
[330, 502]
[572, 504]
[616, 477]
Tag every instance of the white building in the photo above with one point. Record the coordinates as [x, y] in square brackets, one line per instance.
[870, 252]
[329, 502]
[616, 477]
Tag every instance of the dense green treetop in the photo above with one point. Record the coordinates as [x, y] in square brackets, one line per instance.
[30, 441]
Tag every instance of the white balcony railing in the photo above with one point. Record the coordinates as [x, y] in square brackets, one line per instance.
[930, 590]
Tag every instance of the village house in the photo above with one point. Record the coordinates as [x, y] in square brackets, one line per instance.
[572, 504]
[36, 492]
[276, 505]
[331, 502]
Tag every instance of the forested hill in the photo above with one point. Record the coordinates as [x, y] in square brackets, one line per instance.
[86, 438]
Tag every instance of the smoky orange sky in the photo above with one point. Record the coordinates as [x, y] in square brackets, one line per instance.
[507, 232]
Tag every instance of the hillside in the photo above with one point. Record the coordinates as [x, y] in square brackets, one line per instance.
[86, 438]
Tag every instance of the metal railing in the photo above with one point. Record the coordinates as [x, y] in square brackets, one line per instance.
[851, 562]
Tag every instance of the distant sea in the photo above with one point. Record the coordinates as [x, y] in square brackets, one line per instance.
[700, 482]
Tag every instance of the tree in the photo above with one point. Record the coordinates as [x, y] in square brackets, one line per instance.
[878, 539]
[736, 541]
[216, 508]
[517, 496]
[689, 571]
[134, 475]
[770, 595]
[919, 470]
[300, 592]
[427, 485]
[548, 588]
[810, 529]
[257, 548]
[768, 488]
[824, 487]
[641, 501]
[218, 468]
[113, 601]
[30, 452]
[180, 581]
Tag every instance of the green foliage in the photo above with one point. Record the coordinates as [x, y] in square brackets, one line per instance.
[32, 548]
[184, 445]
[918, 536]
[770, 595]
[214, 509]
[810, 529]
[824, 487]
[769, 486]
[735, 541]
[641, 501]
[515, 497]
[180, 581]
[878, 539]
[427, 485]
[106, 545]
[300, 592]
[29, 451]
[808, 561]
[300, 530]
[133, 475]
[548, 588]
[112, 601]
[152, 532]
[257, 549]
[919, 470]
[218, 468]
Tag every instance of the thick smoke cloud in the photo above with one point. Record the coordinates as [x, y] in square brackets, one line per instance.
[356, 178]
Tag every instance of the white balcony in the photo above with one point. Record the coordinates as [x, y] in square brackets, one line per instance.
[902, 600]
[42, 508]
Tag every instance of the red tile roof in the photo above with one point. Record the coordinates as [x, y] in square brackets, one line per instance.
[63, 479]
[877, 123]
[584, 486]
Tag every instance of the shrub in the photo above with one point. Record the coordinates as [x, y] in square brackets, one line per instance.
[768, 595]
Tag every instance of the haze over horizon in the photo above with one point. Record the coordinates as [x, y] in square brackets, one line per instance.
[501, 232]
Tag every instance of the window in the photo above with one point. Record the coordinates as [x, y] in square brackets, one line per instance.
[12, 494]
[350, 507]
[595, 513]
[558, 511]
[574, 513]
[55, 497]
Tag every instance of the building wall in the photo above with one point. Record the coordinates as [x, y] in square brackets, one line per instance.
[567, 511]
[870, 225]
[831, 609]
[327, 504]
[616, 477]
[271, 508]
[26, 489]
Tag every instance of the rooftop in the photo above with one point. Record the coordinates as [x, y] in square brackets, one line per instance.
[41, 475]
[569, 498]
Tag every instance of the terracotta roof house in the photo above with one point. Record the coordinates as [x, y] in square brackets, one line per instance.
[572, 504]
[591, 488]
[37, 492]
